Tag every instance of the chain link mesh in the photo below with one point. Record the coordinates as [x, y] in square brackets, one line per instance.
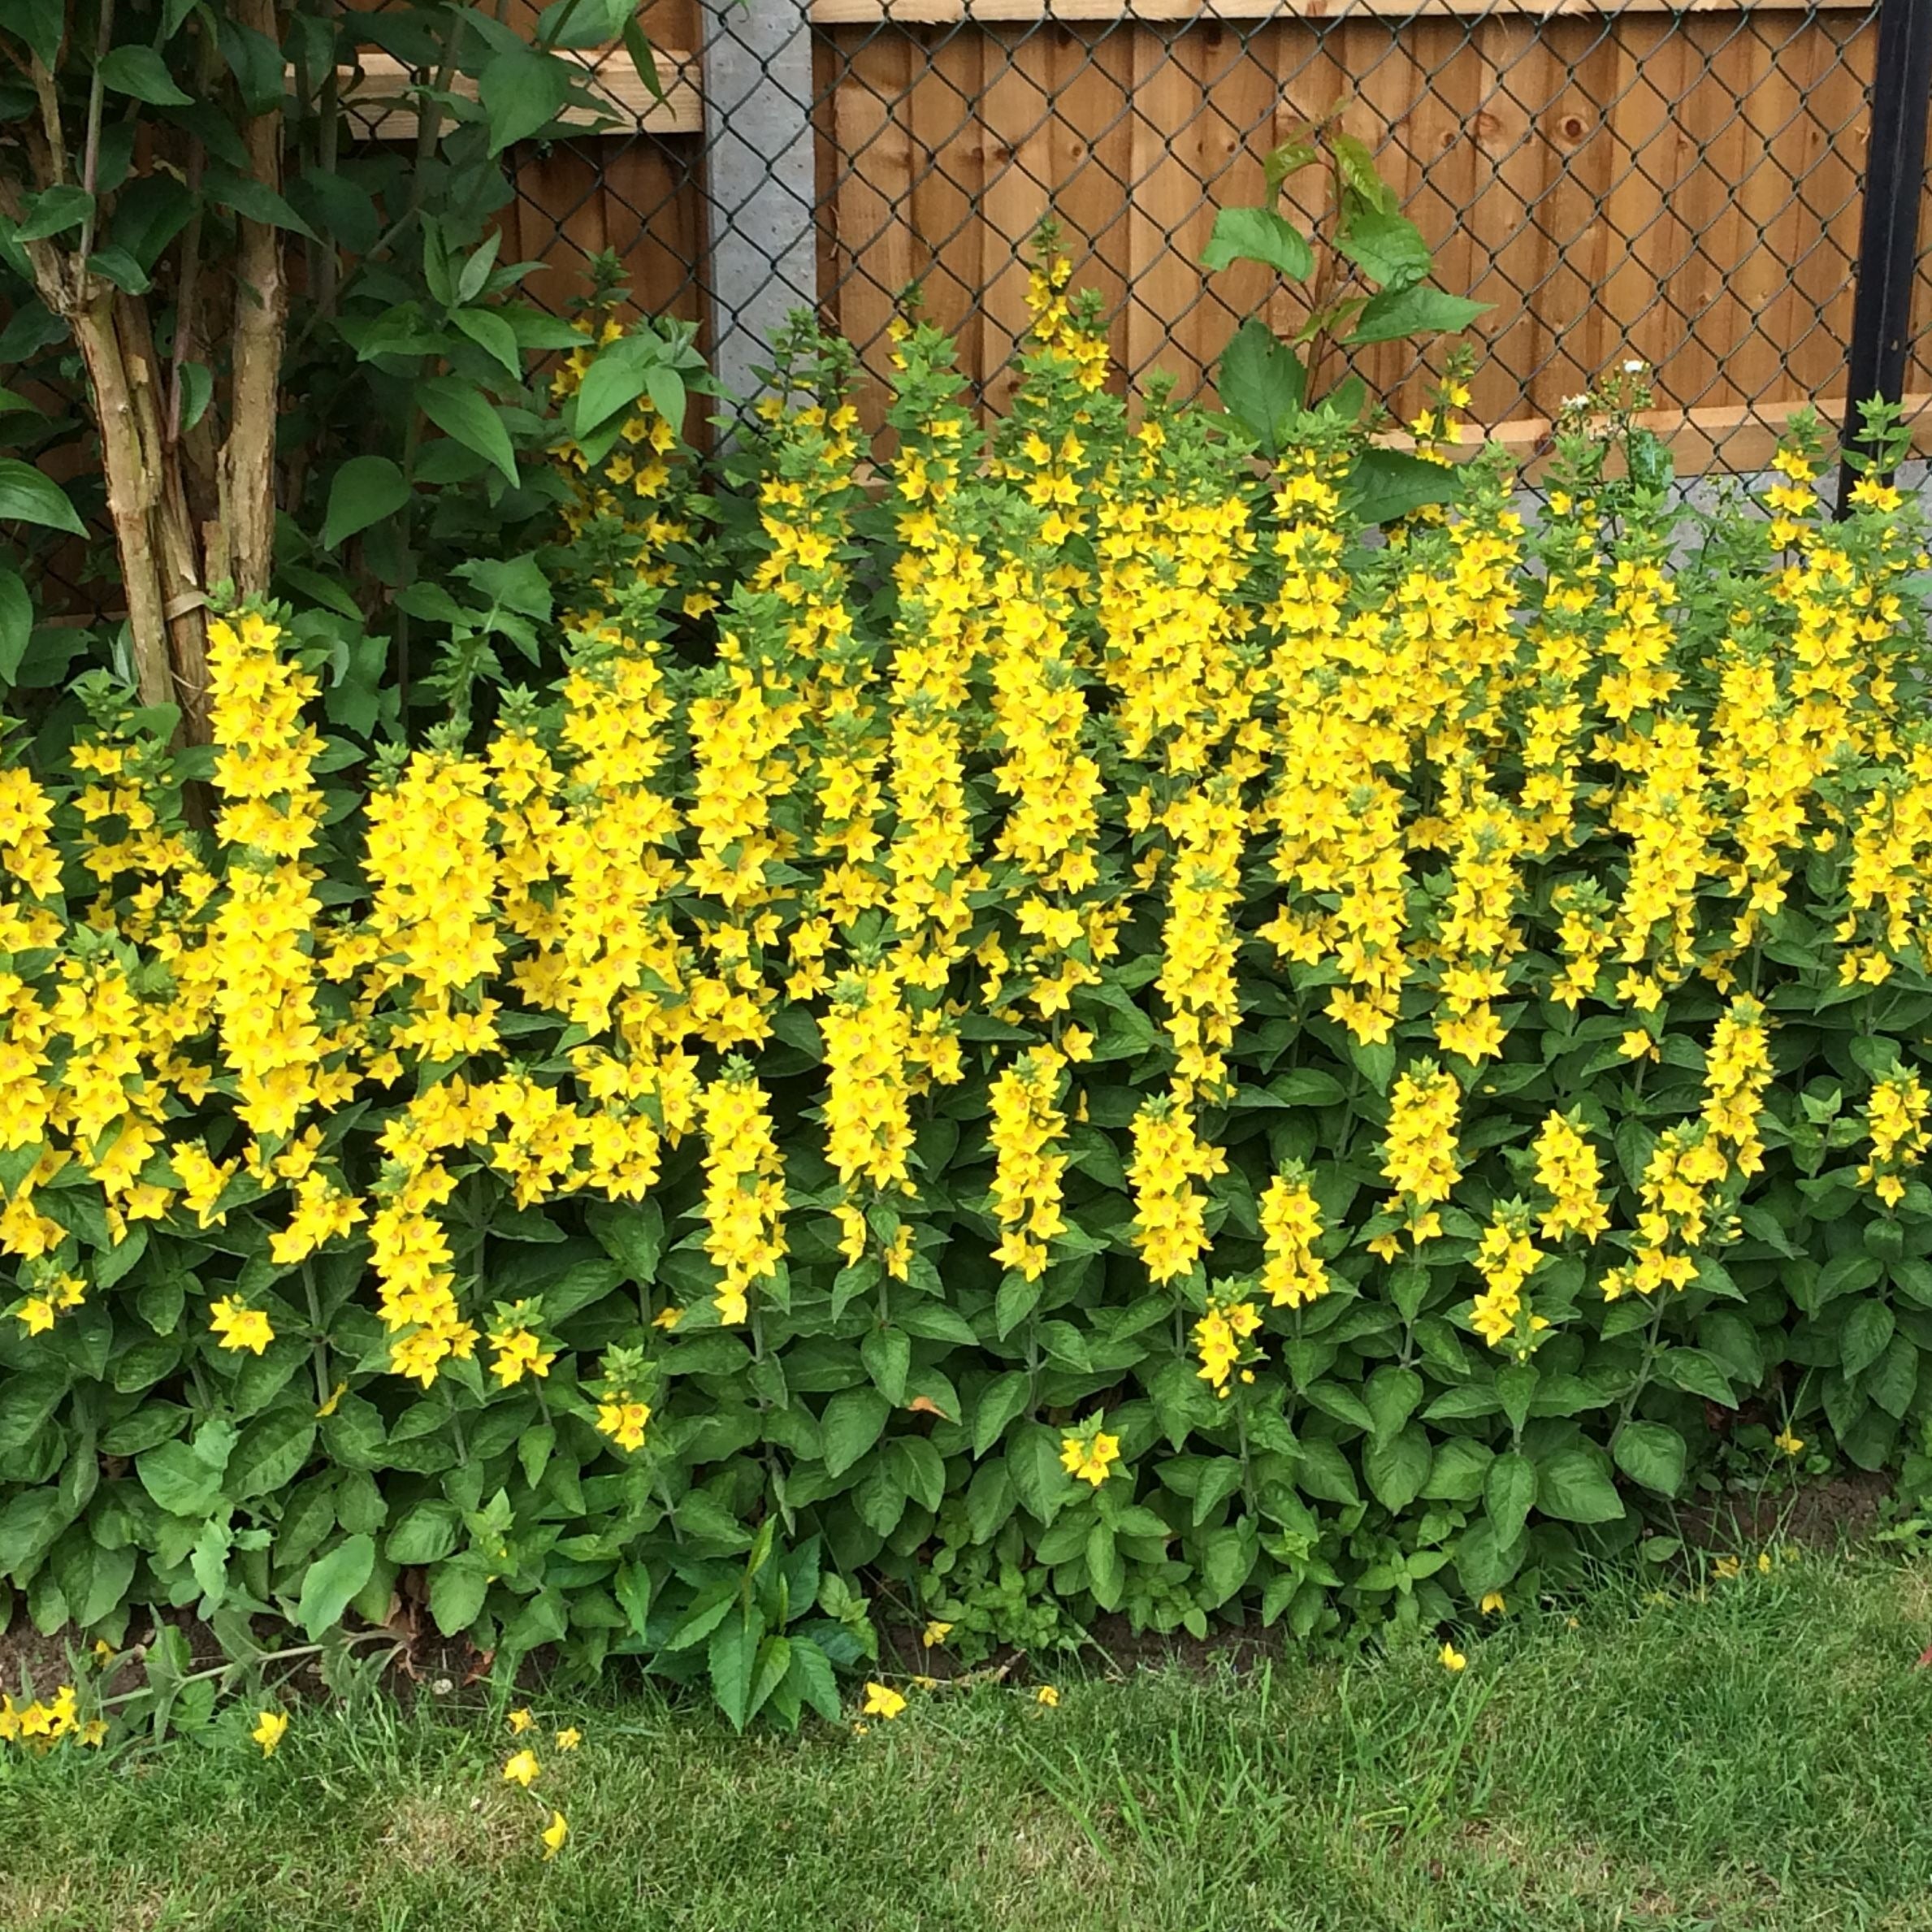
[1618, 181]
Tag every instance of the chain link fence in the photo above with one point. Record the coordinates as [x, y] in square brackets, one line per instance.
[1618, 180]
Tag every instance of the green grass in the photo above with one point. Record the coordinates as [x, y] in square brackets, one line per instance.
[1760, 1758]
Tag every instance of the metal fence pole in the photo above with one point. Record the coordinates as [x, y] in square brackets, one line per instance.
[1888, 238]
[757, 69]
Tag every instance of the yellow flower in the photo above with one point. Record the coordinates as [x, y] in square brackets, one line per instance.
[1493, 1603]
[554, 1834]
[1726, 1567]
[520, 1721]
[935, 1633]
[1786, 1441]
[882, 1702]
[269, 1727]
[239, 1327]
[1452, 1659]
[569, 1738]
[522, 1769]
[1048, 1696]
[1089, 1458]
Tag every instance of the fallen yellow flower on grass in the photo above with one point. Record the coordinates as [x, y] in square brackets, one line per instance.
[520, 1721]
[522, 1769]
[882, 1700]
[554, 1834]
[268, 1731]
[1048, 1696]
[569, 1739]
[1452, 1659]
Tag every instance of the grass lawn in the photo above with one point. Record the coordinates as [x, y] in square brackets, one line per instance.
[1759, 1758]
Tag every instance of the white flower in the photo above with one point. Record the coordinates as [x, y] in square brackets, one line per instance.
[1635, 365]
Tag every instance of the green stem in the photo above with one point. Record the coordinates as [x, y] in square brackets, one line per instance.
[322, 1340]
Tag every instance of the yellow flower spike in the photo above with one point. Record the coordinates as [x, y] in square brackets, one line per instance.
[882, 1700]
[554, 1834]
[521, 1769]
[569, 1738]
[269, 1729]
[519, 1721]
[1451, 1659]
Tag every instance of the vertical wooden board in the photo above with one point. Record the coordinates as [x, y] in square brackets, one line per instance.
[1579, 126]
[1391, 108]
[1230, 139]
[1092, 77]
[1521, 77]
[876, 254]
[1017, 111]
[1828, 149]
[1426, 93]
[949, 166]
[1777, 108]
[652, 215]
[560, 213]
[1711, 292]
[1654, 150]
[1165, 224]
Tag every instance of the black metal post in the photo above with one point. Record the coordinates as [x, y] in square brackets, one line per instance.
[1888, 236]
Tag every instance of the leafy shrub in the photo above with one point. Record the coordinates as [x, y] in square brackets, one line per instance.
[1121, 1043]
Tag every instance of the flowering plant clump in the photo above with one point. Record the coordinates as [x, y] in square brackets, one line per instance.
[1087, 1032]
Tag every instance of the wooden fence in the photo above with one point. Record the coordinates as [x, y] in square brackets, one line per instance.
[1680, 184]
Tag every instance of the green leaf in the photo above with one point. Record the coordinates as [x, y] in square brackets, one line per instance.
[613, 381]
[463, 412]
[181, 1481]
[1387, 247]
[887, 1353]
[142, 74]
[16, 623]
[271, 1453]
[1572, 1486]
[1002, 1398]
[1383, 484]
[1486, 1560]
[55, 211]
[1397, 313]
[1259, 235]
[456, 1591]
[254, 200]
[522, 91]
[26, 496]
[811, 1673]
[853, 1423]
[1508, 1493]
[1396, 1468]
[1261, 382]
[1867, 1333]
[1032, 1460]
[41, 25]
[583, 22]
[494, 336]
[364, 490]
[331, 1581]
[426, 1532]
[1652, 1454]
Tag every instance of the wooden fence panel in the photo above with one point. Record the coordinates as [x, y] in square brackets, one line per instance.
[1681, 187]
